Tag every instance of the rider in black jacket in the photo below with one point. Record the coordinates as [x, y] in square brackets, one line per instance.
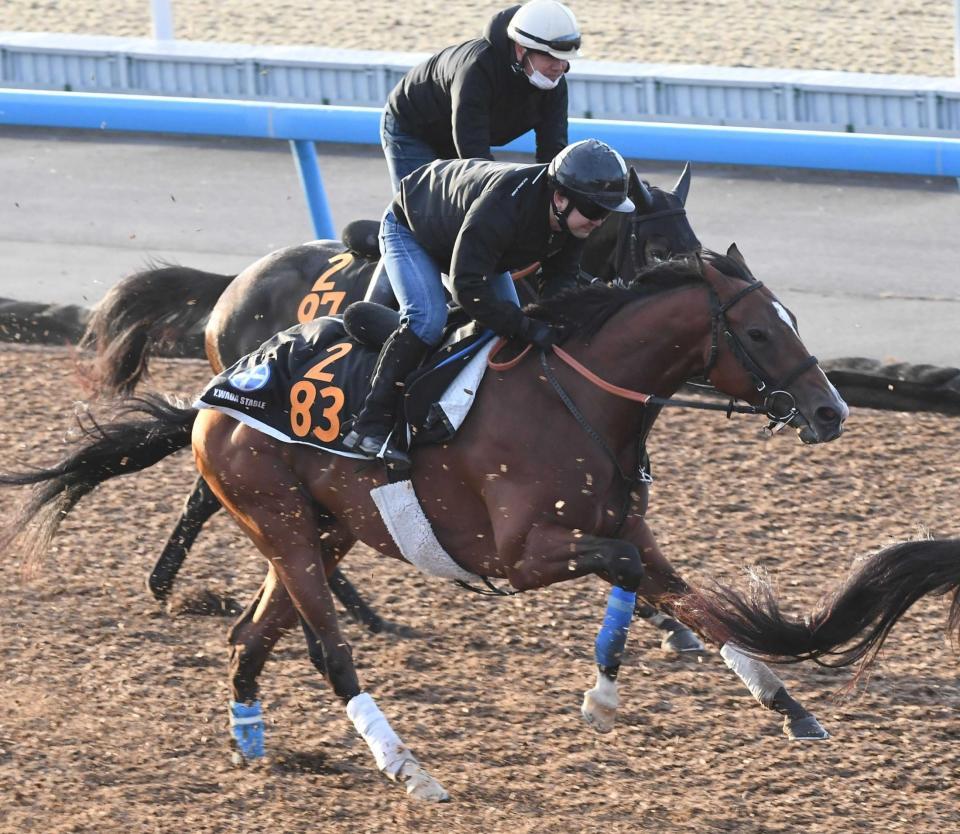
[476, 220]
[486, 92]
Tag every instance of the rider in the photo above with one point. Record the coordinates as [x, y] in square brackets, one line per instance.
[486, 91]
[475, 220]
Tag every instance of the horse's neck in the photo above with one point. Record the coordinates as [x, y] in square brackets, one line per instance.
[650, 347]
[656, 345]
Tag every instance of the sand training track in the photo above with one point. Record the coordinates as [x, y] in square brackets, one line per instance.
[114, 712]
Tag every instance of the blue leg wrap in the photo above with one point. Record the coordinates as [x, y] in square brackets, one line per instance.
[616, 624]
[246, 727]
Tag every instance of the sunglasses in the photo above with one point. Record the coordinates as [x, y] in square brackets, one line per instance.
[570, 43]
[591, 210]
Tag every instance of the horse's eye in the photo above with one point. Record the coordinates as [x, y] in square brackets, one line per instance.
[756, 334]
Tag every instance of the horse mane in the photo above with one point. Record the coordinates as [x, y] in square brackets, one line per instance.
[583, 311]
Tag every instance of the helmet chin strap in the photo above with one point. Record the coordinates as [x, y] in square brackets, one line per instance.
[561, 216]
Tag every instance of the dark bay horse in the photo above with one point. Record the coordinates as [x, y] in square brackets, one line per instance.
[498, 496]
[304, 282]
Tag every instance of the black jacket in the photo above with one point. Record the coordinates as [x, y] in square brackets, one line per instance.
[478, 219]
[468, 98]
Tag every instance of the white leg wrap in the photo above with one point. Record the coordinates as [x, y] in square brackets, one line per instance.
[599, 707]
[393, 757]
[758, 677]
[376, 731]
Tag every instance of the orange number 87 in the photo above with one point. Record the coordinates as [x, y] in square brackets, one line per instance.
[324, 291]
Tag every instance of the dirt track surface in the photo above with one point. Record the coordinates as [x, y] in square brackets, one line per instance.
[114, 712]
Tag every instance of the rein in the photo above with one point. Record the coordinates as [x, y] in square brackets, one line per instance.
[609, 387]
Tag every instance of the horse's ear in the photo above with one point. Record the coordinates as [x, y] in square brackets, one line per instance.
[734, 254]
[682, 188]
[639, 193]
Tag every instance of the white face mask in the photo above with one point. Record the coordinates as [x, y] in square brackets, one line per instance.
[540, 81]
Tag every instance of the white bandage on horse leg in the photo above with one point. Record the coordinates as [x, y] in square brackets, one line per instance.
[758, 677]
[384, 743]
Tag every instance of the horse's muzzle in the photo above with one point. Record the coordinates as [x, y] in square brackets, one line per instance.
[824, 425]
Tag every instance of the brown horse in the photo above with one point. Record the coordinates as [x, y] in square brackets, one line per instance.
[301, 283]
[498, 496]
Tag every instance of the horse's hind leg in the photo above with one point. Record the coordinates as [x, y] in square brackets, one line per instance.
[256, 632]
[252, 475]
[251, 639]
[200, 505]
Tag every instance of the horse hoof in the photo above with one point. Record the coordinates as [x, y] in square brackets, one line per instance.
[682, 641]
[420, 784]
[804, 729]
[599, 709]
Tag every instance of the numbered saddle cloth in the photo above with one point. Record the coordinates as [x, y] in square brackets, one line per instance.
[305, 385]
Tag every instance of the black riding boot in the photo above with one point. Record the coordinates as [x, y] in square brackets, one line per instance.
[400, 355]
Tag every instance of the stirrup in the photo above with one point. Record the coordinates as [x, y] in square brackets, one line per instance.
[378, 448]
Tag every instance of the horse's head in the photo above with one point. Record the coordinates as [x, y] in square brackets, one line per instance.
[756, 354]
[657, 230]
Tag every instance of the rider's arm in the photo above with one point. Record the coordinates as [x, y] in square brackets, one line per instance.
[471, 97]
[487, 230]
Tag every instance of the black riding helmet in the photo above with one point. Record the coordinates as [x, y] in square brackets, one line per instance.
[594, 176]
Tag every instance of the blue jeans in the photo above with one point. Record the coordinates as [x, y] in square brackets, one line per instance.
[404, 153]
[416, 280]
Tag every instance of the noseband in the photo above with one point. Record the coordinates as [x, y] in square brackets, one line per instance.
[774, 392]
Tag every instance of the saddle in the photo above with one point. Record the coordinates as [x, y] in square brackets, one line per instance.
[305, 384]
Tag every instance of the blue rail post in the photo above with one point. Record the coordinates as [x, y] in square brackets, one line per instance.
[305, 156]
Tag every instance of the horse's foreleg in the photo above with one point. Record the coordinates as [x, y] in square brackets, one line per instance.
[677, 637]
[551, 554]
[197, 509]
[664, 587]
[600, 704]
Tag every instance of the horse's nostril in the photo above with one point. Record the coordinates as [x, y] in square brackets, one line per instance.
[828, 415]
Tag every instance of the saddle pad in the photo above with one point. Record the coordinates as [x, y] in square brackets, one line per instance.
[305, 384]
[300, 386]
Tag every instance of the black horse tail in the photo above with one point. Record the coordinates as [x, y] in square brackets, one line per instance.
[852, 624]
[147, 429]
[155, 307]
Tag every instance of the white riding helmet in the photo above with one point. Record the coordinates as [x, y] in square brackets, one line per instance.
[546, 26]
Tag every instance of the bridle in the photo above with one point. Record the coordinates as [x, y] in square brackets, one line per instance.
[628, 239]
[773, 391]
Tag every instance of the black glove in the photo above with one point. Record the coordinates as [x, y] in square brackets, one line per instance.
[538, 333]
